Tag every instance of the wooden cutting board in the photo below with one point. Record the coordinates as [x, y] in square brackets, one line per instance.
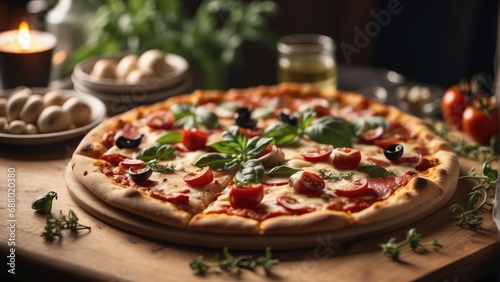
[141, 226]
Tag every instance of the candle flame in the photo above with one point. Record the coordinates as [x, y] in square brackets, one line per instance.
[23, 35]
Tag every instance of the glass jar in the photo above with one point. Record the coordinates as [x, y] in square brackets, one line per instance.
[307, 58]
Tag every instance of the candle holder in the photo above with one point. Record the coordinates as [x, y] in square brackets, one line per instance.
[29, 66]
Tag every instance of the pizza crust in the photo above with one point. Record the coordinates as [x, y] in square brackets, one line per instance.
[127, 198]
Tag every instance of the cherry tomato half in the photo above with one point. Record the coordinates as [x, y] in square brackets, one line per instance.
[357, 188]
[128, 163]
[160, 119]
[317, 154]
[346, 158]
[369, 136]
[453, 105]
[194, 139]
[252, 132]
[247, 196]
[307, 183]
[479, 125]
[200, 177]
[293, 205]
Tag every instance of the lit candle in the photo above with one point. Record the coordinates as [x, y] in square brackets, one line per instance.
[25, 57]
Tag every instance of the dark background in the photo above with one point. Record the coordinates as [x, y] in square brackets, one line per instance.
[436, 42]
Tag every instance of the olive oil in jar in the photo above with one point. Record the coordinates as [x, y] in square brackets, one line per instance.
[307, 58]
[321, 74]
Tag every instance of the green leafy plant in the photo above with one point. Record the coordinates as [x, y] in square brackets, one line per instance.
[211, 40]
[392, 248]
[481, 197]
[54, 226]
[234, 264]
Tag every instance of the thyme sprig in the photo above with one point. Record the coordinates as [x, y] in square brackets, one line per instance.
[234, 264]
[392, 248]
[55, 226]
[336, 176]
[481, 197]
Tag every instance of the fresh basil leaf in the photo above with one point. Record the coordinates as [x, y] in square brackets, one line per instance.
[282, 170]
[331, 130]
[228, 147]
[252, 172]
[256, 145]
[361, 124]
[306, 119]
[282, 133]
[158, 152]
[374, 171]
[180, 110]
[234, 134]
[170, 138]
[212, 159]
[206, 117]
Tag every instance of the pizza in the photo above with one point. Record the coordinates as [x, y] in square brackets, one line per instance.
[279, 159]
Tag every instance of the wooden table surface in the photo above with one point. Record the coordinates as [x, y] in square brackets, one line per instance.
[109, 254]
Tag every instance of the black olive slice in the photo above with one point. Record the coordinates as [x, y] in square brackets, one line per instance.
[289, 119]
[139, 173]
[394, 152]
[126, 143]
[243, 118]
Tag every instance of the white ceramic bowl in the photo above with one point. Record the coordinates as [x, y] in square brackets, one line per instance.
[81, 75]
[98, 115]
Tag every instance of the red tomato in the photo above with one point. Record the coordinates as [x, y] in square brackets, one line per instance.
[317, 154]
[160, 119]
[479, 125]
[386, 143]
[113, 159]
[252, 132]
[248, 196]
[308, 183]
[293, 205]
[200, 177]
[369, 136]
[346, 158]
[128, 163]
[453, 105]
[359, 188]
[194, 139]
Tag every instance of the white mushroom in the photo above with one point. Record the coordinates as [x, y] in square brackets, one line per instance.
[54, 97]
[4, 125]
[154, 61]
[3, 107]
[32, 108]
[17, 127]
[126, 65]
[79, 112]
[138, 76]
[52, 119]
[31, 129]
[104, 68]
[16, 102]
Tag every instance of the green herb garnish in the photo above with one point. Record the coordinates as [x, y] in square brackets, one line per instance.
[374, 171]
[481, 197]
[392, 248]
[232, 264]
[43, 203]
[325, 130]
[324, 174]
[55, 226]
